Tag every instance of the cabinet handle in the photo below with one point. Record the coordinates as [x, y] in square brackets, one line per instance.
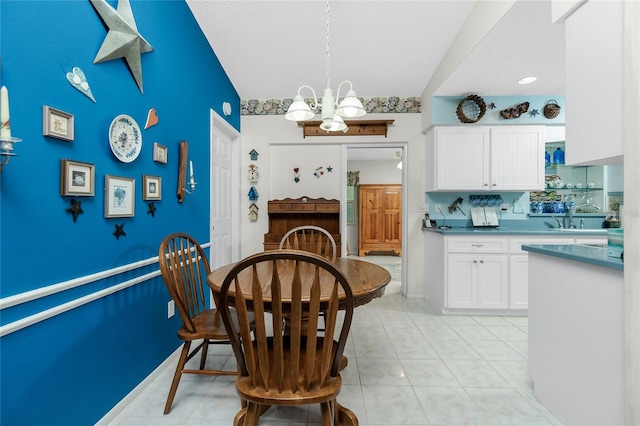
[475, 261]
[485, 184]
[482, 261]
[477, 245]
[494, 184]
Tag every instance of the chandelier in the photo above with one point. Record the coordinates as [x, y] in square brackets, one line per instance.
[332, 109]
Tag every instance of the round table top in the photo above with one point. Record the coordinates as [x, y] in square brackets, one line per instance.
[367, 280]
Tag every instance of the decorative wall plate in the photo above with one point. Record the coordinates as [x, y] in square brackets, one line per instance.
[125, 138]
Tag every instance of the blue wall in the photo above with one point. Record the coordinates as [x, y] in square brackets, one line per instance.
[74, 367]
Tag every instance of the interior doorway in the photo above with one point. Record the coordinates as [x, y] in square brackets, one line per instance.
[382, 165]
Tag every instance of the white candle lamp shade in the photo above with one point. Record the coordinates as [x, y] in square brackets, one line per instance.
[334, 124]
[299, 110]
[351, 107]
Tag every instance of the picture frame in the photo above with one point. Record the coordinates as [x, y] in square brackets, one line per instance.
[151, 187]
[57, 124]
[159, 153]
[77, 179]
[119, 196]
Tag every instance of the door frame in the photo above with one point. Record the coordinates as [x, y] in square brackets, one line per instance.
[404, 147]
[219, 124]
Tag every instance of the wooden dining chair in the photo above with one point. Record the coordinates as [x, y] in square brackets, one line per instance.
[292, 365]
[310, 238]
[184, 267]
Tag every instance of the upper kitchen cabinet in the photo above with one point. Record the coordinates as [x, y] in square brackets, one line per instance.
[485, 158]
[594, 41]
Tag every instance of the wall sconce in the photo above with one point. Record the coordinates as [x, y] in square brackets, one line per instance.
[192, 182]
[182, 172]
[6, 140]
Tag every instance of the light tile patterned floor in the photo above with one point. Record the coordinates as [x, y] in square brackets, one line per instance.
[408, 365]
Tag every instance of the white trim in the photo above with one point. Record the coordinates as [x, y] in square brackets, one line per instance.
[48, 313]
[76, 282]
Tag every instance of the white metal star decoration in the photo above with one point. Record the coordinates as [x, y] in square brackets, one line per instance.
[123, 39]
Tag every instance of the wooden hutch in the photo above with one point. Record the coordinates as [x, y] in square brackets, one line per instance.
[288, 213]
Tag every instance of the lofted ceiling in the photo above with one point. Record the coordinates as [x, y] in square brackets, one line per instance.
[386, 48]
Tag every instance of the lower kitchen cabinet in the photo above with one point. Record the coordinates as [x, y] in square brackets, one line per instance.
[483, 274]
[477, 281]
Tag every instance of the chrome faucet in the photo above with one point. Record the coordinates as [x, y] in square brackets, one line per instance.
[560, 224]
[572, 211]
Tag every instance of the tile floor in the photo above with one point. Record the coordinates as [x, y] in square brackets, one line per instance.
[408, 365]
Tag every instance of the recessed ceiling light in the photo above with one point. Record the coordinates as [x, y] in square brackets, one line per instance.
[528, 79]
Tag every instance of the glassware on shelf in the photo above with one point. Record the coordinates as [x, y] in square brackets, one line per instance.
[558, 156]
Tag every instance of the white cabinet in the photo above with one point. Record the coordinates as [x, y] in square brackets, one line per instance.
[469, 273]
[486, 158]
[477, 273]
[594, 83]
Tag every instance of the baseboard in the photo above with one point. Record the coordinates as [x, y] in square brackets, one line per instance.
[124, 402]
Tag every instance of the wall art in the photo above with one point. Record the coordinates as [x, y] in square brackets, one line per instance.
[77, 178]
[159, 153]
[119, 196]
[57, 124]
[151, 187]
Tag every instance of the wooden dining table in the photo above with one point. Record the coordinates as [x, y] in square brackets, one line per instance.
[367, 280]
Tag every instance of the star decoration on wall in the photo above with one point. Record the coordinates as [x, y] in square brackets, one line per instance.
[123, 39]
[534, 112]
[75, 209]
[492, 105]
[152, 209]
[329, 169]
[119, 231]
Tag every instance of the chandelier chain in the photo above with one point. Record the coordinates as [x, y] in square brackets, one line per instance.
[328, 43]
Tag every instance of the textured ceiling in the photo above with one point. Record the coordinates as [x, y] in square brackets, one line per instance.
[386, 48]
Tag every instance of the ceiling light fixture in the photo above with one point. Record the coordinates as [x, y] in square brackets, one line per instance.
[528, 79]
[332, 110]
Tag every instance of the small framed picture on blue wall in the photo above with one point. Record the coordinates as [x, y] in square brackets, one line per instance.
[77, 179]
[57, 124]
[151, 187]
[119, 196]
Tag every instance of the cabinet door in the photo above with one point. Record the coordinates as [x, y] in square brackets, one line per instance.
[517, 158]
[462, 289]
[461, 158]
[392, 214]
[370, 218]
[493, 284]
[519, 281]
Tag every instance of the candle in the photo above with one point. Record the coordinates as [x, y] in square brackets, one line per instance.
[5, 128]
[191, 181]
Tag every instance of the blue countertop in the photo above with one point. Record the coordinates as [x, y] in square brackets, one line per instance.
[580, 253]
[500, 230]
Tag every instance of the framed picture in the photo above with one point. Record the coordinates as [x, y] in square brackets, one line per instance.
[119, 196]
[151, 187]
[77, 179]
[57, 124]
[159, 153]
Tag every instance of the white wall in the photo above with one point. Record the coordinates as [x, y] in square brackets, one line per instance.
[376, 172]
[280, 144]
[313, 163]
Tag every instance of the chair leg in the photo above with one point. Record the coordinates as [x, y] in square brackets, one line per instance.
[176, 376]
[203, 357]
[327, 415]
[252, 414]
